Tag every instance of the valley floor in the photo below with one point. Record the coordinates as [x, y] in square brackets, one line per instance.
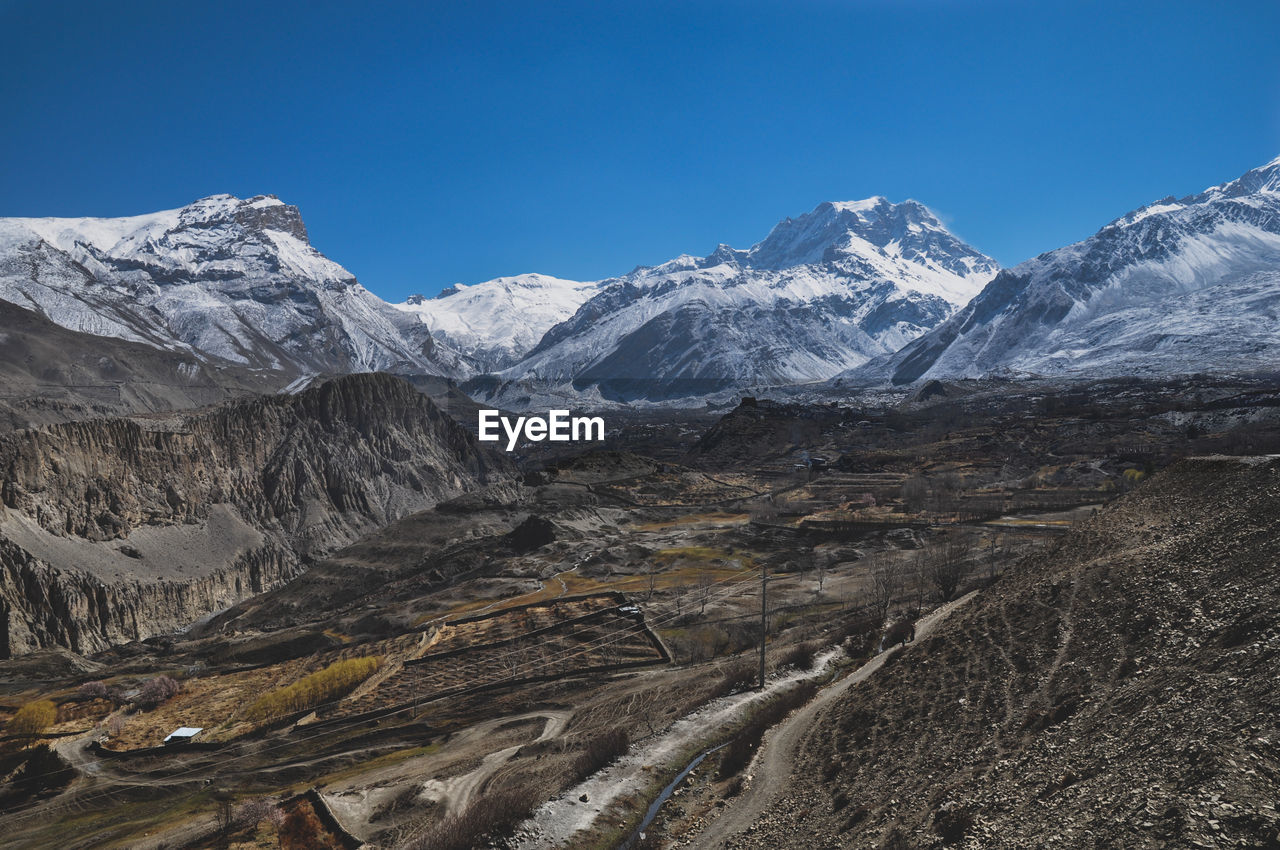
[471, 673]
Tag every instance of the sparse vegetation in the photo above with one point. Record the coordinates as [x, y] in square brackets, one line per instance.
[493, 815]
[33, 718]
[800, 656]
[600, 751]
[739, 752]
[314, 689]
[948, 564]
[156, 691]
[94, 690]
[302, 830]
[739, 675]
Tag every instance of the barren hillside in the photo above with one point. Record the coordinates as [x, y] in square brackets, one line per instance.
[1119, 691]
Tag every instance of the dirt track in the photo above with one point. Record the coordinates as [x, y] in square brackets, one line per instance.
[769, 771]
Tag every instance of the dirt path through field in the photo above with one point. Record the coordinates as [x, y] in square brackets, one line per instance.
[457, 791]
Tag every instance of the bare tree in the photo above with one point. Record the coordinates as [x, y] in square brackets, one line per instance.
[950, 564]
[764, 510]
[225, 815]
[651, 578]
[915, 491]
[705, 583]
[156, 691]
[886, 584]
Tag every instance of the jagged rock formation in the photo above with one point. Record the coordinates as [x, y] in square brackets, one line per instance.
[117, 529]
[1115, 692]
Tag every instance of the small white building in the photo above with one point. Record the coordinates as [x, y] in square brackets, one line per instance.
[183, 735]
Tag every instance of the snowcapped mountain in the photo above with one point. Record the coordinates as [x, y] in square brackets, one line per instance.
[822, 293]
[1174, 287]
[499, 321]
[223, 279]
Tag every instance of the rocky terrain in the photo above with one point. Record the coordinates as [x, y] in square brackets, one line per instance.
[1094, 622]
[118, 529]
[1116, 691]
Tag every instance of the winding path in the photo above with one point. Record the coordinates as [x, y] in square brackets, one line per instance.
[771, 769]
[456, 792]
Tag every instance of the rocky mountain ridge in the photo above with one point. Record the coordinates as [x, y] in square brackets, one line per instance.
[1105, 693]
[823, 292]
[1175, 286]
[223, 280]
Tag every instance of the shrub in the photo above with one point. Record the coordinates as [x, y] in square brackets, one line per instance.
[800, 656]
[95, 690]
[42, 771]
[737, 676]
[253, 812]
[314, 689]
[157, 691]
[601, 751]
[33, 718]
[494, 814]
[302, 830]
[739, 752]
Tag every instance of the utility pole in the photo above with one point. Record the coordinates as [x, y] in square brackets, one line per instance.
[764, 597]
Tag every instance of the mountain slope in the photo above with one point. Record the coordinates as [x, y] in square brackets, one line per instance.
[497, 322]
[227, 280]
[1176, 286]
[51, 374]
[1116, 692]
[822, 293]
[115, 529]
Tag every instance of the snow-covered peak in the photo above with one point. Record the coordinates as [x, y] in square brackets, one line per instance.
[1264, 178]
[865, 205]
[139, 234]
[821, 293]
[498, 321]
[1175, 285]
[224, 277]
[876, 231]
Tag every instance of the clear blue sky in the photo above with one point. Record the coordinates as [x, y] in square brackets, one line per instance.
[433, 142]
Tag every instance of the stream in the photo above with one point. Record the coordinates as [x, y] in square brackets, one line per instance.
[653, 809]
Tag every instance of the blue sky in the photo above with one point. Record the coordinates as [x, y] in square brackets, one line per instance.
[429, 142]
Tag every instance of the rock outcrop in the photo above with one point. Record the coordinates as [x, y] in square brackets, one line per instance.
[118, 529]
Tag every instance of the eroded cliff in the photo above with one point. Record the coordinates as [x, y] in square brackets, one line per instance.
[119, 529]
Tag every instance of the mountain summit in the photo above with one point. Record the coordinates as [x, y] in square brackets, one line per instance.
[822, 292]
[1174, 286]
[223, 278]
[497, 322]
